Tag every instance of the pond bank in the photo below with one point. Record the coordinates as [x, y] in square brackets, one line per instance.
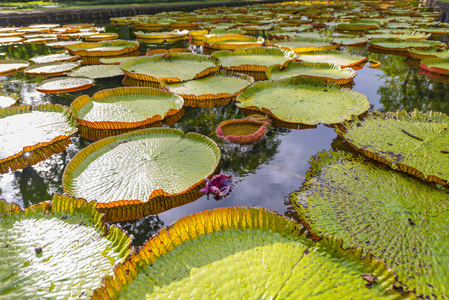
[103, 14]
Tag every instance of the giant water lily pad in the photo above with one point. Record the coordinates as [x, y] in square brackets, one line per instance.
[216, 89]
[255, 59]
[31, 135]
[304, 101]
[416, 143]
[329, 72]
[131, 173]
[58, 57]
[176, 34]
[432, 52]
[50, 69]
[436, 65]
[108, 48]
[6, 101]
[334, 57]
[125, 107]
[404, 36]
[399, 45]
[96, 71]
[349, 40]
[240, 252]
[356, 26]
[11, 66]
[232, 42]
[301, 44]
[58, 249]
[64, 85]
[171, 67]
[400, 219]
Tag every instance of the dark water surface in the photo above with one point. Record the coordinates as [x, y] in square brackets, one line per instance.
[263, 174]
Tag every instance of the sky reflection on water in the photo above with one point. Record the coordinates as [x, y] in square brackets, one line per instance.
[263, 174]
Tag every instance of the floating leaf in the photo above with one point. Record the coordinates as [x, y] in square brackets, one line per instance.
[254, 59]
[404, 36]
[356, 26]
[304, 101]
[96, 71]
[217, 88]
[31, 135]
[349, 40]
[172, 67]
[301, 44]
[415, 143]
[108, 48]
[334, 57]
[329, 72]
[59, 57]
[242, 252]
[246, 131]
[399, 219]
[64, 85]
[8, 67]
[125, 107]
[232, 42]
[432, 52]
[141, 172]
[436, 65]
[398, 45]
[50, 69]
[57, 249]
[102, 37]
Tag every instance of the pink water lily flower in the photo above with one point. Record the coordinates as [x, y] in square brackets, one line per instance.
[219, 185]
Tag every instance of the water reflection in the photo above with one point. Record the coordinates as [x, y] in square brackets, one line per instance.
[264, 174]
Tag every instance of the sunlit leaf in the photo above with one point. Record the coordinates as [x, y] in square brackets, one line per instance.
[57, 249]
[399, 219]
[416, 143]
[240, 253]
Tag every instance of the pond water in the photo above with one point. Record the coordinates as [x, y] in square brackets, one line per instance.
[264, 174]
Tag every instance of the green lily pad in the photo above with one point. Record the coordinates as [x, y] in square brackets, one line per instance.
[31, 135]
[403, 36]
[255, 59]
[399, 219]
[302, 100]
[334, 57]
[108, 48]
[349, 40]
[436, 65]
[42, 59]
[434, 31]
[125, 107]
[416, 143]
[10, 40]
[216, 89]
[239, 253]
[11, 66]
[139, 167]
[329, 72]
[57, 249]
[50, 69]
[300, 44]
[172, 67]
[356, 26]
[398, 45]
[432, 52]
[232, 42]
[96, 71]
[162, 35]
[6, 101]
